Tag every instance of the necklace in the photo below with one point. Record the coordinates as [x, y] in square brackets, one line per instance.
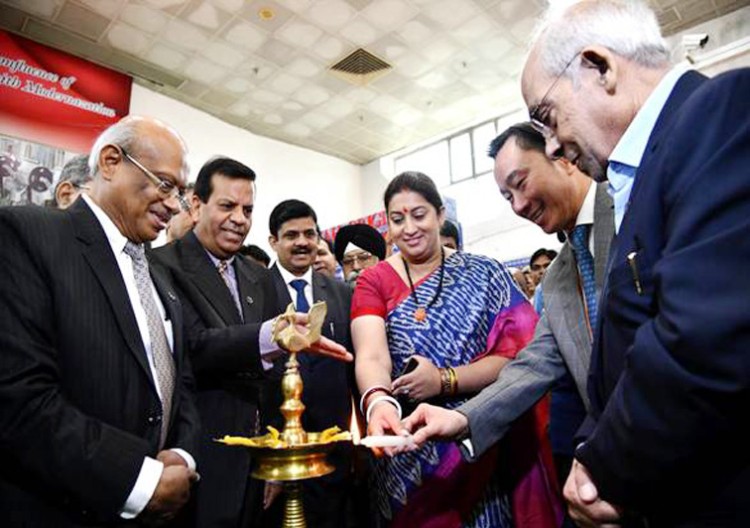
[420, 314]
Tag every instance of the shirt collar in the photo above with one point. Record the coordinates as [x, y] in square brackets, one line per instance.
[116, 239]
[216, 260]
[629, 150]
[586, 212]
[289, 277]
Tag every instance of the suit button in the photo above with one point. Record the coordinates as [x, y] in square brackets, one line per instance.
[154, 419]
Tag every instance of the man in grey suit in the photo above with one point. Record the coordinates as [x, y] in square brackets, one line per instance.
[556, 196]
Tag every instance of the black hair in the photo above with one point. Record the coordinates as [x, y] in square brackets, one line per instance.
[449, 230]
[413, 181]
[542, 252]
[527, 138]
[289, 210]
[328, 243]
[226, 167]
[255, 253]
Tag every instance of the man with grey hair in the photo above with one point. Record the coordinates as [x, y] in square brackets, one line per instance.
[73, 179]
[97, 424]
[669, 381]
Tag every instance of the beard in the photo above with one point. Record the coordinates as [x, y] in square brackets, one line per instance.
[351, 278]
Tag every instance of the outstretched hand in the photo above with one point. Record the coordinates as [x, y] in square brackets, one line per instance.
[429, 422]
[322, 346]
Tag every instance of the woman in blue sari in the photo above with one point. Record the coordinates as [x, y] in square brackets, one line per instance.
[461, 318]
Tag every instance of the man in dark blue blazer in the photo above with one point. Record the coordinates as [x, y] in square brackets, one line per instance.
[670, 375]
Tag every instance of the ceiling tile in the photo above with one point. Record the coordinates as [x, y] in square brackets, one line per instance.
[185, 35]
[165, 56]
[128, 39]
[245, 35]
[389, 15]
[474, 29]
[219, 99]
[284, 83]
[292, 106]
[256, 69]
[361, 95]
[330, 14]
[11, 18]
[304, 67]
[337, 107]
[238, 85]
[107, 8]
[193, 89]
[311, 95]
[144, 17]
[273, 119]
[266, 97]
[223, 54]
[416, 31]
[299, 34]
[43, 8]
[450, 13]
[200, 69]
[206, 15]
[317, 120]
[360, 32]
[328, 48]
[277, 52]
[412, 65]
[297, 129]
[297, 6]
[82, 21]
[164, 4]
[230, 6]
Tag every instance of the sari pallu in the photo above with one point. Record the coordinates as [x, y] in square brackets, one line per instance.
[478, 312]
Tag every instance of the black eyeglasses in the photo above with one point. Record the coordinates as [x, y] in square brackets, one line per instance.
[165, 187]
[539, 115]
[362, 258]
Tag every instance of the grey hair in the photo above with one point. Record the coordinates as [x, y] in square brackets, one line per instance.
[76, 171]
[126, 133]
[628, 28]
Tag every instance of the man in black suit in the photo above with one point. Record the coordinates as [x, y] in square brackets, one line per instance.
[229, 306]
[327, 395]
[669, 382]
[97, 425]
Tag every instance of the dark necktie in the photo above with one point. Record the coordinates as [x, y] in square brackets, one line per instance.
[224, 272]
[301, 302]
[579, 242]
[163, 360]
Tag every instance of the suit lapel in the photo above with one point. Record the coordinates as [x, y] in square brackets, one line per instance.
[98, 254]
[250, 291]
[206, 278]
[282, 292]
[604, 230]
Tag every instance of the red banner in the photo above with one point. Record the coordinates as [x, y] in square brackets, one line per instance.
[54, 98]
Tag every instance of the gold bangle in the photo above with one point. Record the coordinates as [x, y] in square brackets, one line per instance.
[453, 381]
[445, 381]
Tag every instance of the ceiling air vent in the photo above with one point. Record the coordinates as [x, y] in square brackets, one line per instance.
[360, 67]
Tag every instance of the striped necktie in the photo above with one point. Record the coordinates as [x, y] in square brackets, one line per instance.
[162, 355]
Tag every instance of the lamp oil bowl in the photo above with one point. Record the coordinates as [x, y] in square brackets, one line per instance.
[293, 454]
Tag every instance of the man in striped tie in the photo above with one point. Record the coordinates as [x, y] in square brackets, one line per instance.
[230, 305]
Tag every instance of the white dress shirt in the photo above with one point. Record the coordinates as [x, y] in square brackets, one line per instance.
[151, 470]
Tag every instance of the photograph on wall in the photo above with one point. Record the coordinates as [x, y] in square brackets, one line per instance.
[29, 171]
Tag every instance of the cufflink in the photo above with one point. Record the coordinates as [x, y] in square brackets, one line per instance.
[172, 297]
[249, 300]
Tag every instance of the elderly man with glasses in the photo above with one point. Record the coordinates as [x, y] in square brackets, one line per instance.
[669, 383]
[97, 424]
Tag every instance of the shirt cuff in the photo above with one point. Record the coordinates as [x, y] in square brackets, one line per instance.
[144, 488]
[467, 447]
[268, 349]
[187, 457]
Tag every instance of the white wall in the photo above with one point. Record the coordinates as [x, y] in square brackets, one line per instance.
[332, 186]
